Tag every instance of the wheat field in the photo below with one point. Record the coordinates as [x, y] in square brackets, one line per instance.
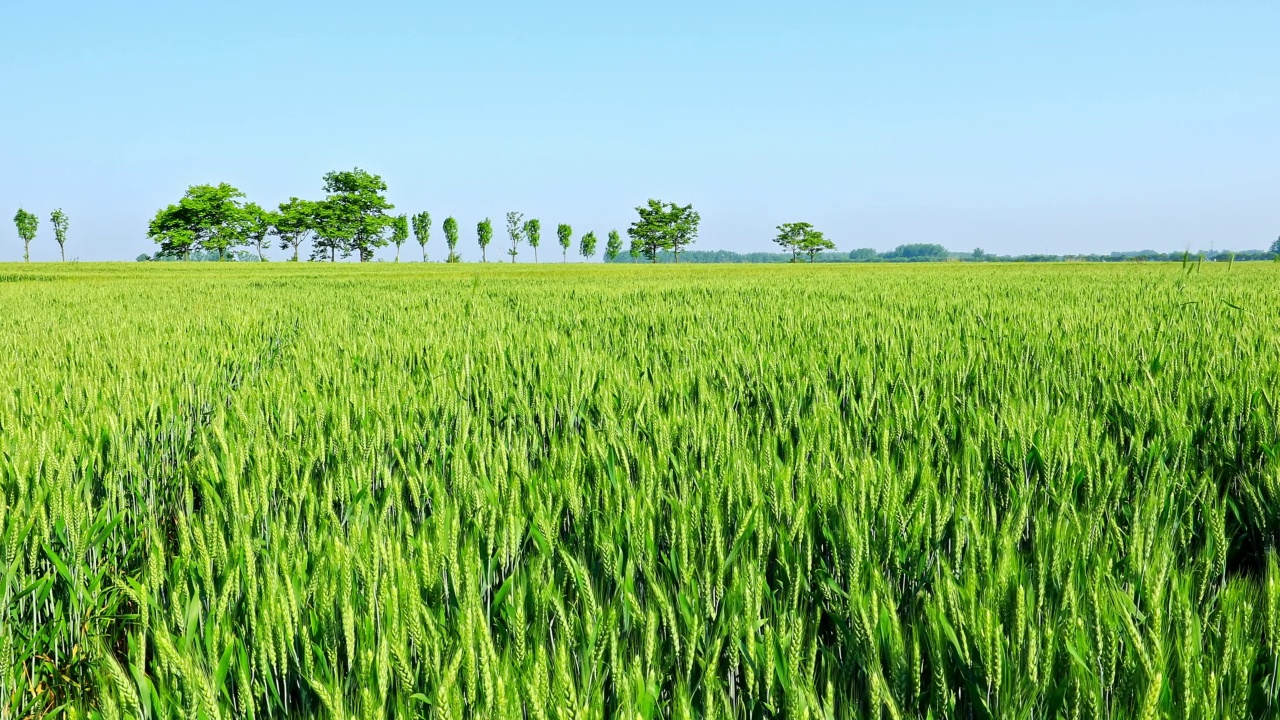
[276, 490]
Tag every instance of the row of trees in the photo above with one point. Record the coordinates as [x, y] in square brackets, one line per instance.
[354, 219]
[28, 223]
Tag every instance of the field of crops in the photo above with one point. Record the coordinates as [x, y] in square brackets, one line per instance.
[374, 491]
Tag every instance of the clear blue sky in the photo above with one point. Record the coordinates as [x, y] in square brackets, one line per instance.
[1081, 126]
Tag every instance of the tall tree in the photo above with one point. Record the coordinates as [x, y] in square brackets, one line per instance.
[565, 233]
[208, 218]
[613, 247]
[256, 224]
[59, 221]
[634, 250]
[587, 247]
[815, 242]
[683, 227]
[353, 218]
[664, 226]
[801, 237]
[292, 222]
[484, 235]
[515, 231]
[1275, 246]
[533, 235]
[422, 230]
[27, 223]
[399, 232]
[789, 238]
[451, 238]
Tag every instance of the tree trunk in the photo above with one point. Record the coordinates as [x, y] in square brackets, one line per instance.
[535, 254]
[295, 252]
[261, 258]
[62, 249]
[424, 252]
[26, 251]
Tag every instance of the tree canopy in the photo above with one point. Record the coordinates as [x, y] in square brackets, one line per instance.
[515, 231]
[256, 224]
[294, 220]
[613, 247]
[59, 221]
[422, 230]
[353, 218]
[451, 237]
[564, 232]
[533, 235]
[26, 222]
[587, 246]
[664, 226]
[208, 217]
[484, 235]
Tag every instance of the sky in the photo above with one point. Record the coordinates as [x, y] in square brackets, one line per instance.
[1063, 127]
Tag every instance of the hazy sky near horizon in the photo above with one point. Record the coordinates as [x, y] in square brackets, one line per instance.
[1066, 127]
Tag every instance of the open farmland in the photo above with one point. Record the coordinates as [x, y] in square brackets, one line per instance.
[269, 490]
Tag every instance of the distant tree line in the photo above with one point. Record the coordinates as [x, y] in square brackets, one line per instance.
[215, 222]
[938, 253]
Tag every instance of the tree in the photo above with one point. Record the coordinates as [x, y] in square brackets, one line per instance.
[515, 231]
[399, 232]
[587, 247]
[353, 218]
[863, 255]
[256, 224]
[59, 221]
[533, 235]
[613, 247]
[1275, 246]
[664, 226]
[451, 237]
[208, 218]
[979, 254]
[790, 236]
[634, 250]
[27, 223]
[484, 235]
[565, 233]
[815, 242]
[422, 230]
[292, 222]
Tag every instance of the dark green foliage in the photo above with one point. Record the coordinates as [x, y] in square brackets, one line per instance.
[917, 251]
[564, 232]
[208, 218]
[399, 232]
[353, 218]
[293, 222]
[422, 230]
[451, 238]
[484, 235]
[587, 246]
[664, 226]
[58, 220]
[613, 247]
[26, 222]
[256, 225]
[533, 235]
